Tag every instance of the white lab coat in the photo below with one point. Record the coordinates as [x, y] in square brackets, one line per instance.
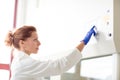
[24, 67]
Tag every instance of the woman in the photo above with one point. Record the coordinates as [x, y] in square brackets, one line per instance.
[23, 67]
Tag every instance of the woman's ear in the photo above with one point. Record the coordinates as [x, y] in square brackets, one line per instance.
[22, 45]
[21, 42]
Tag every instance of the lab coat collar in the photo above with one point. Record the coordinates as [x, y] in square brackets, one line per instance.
[18, 53]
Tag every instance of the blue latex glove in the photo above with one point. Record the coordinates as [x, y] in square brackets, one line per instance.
[89, 34]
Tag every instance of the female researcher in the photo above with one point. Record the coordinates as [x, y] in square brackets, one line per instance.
[23, 67]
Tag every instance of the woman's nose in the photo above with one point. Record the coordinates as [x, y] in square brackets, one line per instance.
[39, 43]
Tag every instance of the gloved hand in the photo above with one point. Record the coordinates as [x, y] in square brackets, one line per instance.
[89, 34]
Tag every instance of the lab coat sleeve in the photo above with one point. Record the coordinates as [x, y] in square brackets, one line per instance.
[50, 68]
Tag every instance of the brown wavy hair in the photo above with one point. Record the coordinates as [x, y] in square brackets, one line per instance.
[22, 33]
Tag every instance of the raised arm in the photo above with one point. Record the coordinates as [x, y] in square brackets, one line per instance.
[86, 38]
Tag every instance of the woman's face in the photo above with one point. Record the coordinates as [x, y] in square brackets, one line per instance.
[31, 44]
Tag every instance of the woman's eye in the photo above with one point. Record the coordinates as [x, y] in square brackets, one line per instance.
[35, 39]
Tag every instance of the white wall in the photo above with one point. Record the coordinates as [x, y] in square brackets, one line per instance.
[62, 24]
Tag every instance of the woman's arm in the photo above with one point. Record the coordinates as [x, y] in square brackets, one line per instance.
[80, 46]
[49, 68]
